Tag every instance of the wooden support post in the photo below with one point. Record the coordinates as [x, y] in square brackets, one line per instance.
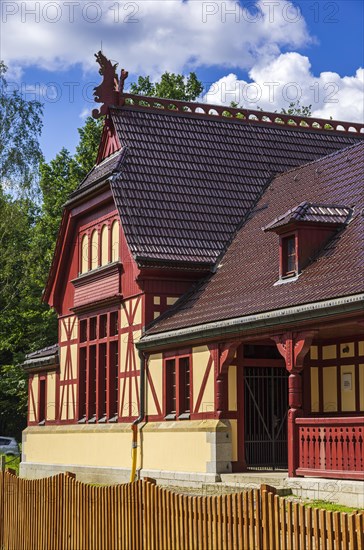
[2, 463]
[293, 346]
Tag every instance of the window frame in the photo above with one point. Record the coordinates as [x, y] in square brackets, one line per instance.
[284, 256]
[102, 405]
[182, 400]
[88, 230]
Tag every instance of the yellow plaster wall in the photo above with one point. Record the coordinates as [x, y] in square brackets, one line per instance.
[329, 352]
[200, 359]
[72, 372]
[178, 446]
[115, 230]
[313, 352]
[232, 388]
[348, 396]
[127, 385]
[155, 367]
[315, 402]
[361, 348]
[104, 245]
[94, 249]
[361, 386]
[84, 448]
[68, 322]
[84, 254]
[35, 387]
[180, 451]
[51, 396]
[234, 439]
[347, 349]
[330, 389]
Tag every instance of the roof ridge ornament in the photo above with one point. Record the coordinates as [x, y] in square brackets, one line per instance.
[110, 91]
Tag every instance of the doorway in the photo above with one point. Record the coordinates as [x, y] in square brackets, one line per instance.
[265, 417]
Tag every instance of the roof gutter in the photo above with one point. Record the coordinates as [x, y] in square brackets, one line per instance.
[267, 320]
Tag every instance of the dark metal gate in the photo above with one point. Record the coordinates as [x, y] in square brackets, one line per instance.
[266, 395]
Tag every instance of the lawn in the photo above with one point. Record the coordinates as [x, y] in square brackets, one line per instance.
[13, 463]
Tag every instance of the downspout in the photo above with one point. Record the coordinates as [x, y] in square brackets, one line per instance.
[134, 426]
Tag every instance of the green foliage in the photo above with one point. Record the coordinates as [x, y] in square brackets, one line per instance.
[170, 86]
[296, 109]
[28, 233]
[86, 151]
[13, 401]
[20, 129]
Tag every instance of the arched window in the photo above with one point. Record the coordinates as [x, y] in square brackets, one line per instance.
[104, 245]
[94, 250]
[84, 254]
[115, 244]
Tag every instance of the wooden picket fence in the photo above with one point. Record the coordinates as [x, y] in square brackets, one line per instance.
[61, 513]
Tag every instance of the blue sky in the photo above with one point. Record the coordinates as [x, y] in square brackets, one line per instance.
[259, 53]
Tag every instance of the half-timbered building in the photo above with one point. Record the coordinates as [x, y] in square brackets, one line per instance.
[208, 281]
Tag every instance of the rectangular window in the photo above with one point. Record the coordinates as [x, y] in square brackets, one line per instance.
[98, 372]
[113, 381]
[177, 387]
[83, 330]
[289, 260]
[42, 401]
[103, 326]
[92, 384]
[93, 325]
[101, 388]
[171, 394]
[184, 379]
[82, 369]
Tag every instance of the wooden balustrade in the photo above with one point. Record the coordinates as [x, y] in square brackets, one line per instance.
[331, 447]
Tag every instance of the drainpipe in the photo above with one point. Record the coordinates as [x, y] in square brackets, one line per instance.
[134, 426]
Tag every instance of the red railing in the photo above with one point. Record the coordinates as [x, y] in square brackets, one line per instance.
[331, 447]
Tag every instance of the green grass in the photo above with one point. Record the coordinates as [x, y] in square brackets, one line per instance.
[12, 462]
[324, 505]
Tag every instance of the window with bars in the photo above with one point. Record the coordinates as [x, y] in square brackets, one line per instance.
[98, 373]
[177, 374]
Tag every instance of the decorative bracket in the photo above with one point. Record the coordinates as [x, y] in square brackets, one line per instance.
[293, 346]
[227, 352]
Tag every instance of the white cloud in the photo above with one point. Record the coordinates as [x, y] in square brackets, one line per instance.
[149, 36]
[86, 112]
[289, 78]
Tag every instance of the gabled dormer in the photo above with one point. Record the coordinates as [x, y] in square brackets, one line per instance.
[303, 231]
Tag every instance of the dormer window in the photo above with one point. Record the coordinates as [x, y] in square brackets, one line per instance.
[288, 256]
[303, 232]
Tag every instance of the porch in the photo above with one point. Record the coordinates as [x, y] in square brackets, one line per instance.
[304, 412]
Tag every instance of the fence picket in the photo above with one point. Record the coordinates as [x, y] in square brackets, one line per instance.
[62, 513]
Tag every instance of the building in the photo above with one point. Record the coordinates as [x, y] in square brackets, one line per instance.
[208, 278]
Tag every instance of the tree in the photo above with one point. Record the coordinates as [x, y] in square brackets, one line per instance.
[86, 151]
[20, 129]
[170, 86]
[297, 109]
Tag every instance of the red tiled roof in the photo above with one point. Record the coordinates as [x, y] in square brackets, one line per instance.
[246, 281]
[187, 181]
[312, 213]
[100, 172]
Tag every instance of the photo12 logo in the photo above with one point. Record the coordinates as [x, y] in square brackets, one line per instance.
[270, 11]
[53, 12]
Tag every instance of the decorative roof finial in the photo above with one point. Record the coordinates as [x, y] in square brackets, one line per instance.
[108, 92]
